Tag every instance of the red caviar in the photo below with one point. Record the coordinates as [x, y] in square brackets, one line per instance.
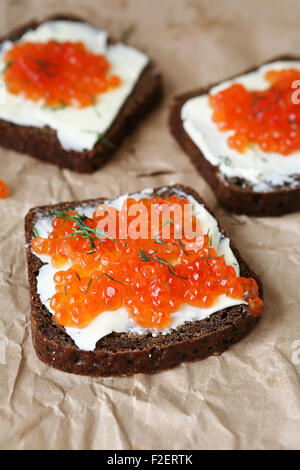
[267, 118]
[59, 73]
[150, 277]
[3, 189]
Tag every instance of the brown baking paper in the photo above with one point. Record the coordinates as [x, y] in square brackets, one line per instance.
[247, 398]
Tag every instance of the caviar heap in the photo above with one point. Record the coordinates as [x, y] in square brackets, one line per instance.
[150, 277]
[3, 189]
[57, 73]
[267, 118]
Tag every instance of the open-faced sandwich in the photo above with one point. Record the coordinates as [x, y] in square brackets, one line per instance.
[243, 136]
[135, 284]
[72, 92]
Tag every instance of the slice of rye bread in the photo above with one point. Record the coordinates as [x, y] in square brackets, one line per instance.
[43, 144]
[235, 194]
[123, 353]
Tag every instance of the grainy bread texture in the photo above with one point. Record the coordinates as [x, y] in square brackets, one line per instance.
[122, 353]
[43, 144]
[234, 194]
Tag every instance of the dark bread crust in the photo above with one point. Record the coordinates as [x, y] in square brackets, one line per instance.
[122, 353]
[43, 144]
[234, 195]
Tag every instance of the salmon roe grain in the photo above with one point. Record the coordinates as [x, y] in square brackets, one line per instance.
[3, 189]
[269, 118]
[151, 277]
[58, 73]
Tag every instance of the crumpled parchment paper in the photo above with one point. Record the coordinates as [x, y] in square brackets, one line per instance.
[248, 398]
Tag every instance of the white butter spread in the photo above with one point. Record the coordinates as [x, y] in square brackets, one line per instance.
[119, 320]
[263, 170]
[77, 129]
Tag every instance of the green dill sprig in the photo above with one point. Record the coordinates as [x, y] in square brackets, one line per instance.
[88, 286]
[42, 64]
[207, 258]
[168, 222]
[159, 241]
[226, 160]
[144, 257]
[182, 246]
[101, 138]
[6, 66]
[94, 101]
[247, 295]
[83, 229]
[35, 231]
[220, 280]
[210, 237]
[125, 35]
[151, 257]
[266, 108]
[113, 279]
